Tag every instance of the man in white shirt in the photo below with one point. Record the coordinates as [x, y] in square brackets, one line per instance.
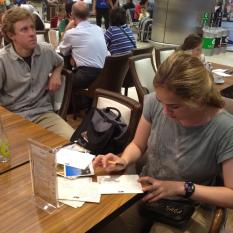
[86, 43]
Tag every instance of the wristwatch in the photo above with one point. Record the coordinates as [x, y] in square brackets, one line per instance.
[189, 188]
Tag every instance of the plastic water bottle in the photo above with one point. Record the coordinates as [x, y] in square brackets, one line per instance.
[4, 145]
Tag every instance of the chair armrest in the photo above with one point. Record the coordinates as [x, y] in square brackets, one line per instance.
[67, 93]
[218, 220]
[66, 71]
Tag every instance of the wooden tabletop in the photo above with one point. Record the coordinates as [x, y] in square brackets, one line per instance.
[18, 130]
[19, 213]
[228, 81]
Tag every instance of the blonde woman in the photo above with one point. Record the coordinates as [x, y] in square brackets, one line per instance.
[187, 138]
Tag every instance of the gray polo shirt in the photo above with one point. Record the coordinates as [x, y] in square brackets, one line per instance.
[176, 152]
[23, 90]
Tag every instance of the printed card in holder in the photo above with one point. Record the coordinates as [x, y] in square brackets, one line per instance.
[72, 162]
[44, 176]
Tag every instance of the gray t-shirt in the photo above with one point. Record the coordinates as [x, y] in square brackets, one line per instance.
[186, 153]
[23, 90]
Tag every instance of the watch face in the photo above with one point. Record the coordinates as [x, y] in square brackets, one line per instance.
[189, 188]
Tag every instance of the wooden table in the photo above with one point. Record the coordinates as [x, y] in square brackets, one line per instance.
[228, 80]
[19, 214]
[18, 130]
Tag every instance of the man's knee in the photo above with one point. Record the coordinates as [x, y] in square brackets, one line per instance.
[53, 122]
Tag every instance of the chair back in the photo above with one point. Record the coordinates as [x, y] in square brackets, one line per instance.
[128, 82]
[228, 104]
[53, 38]
[162, 53]
[139, 51]
[112, 75]
[42, 36]
[143, 73]
[61, 97]
[129, 108]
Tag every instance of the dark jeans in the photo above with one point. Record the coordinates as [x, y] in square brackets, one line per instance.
[102, 13]
[82, 79]
[84, 76]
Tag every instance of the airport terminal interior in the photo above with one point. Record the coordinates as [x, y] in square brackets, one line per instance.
[170, 22]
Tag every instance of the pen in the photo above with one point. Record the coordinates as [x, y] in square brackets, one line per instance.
[116, 163]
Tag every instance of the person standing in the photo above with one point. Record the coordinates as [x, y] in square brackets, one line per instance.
[101, 9]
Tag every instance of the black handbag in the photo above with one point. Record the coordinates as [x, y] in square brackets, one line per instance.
[172, 212]
[102, 131]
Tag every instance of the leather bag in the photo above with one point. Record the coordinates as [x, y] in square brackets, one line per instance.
[172, 212]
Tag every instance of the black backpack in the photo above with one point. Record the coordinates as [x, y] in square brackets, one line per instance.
[102, 131]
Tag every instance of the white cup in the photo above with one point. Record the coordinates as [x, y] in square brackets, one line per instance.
[218, 79]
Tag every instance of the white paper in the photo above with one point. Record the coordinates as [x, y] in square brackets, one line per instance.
[74, 158]
[221, 72]
[74, 204]
[116, 184]
[81, 189]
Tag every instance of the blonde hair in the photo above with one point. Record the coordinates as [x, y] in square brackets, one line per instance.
[187, 77]
[12, 16]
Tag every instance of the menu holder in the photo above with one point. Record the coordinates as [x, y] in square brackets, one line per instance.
[44, 176]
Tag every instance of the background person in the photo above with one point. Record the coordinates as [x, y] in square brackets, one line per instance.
[64, 22]
[193, 44]
[29, 72]
[128, 5]
[101, 9]
[138, 8]
[119, 37]
[86, 43]
[2, 10]
[187, 139]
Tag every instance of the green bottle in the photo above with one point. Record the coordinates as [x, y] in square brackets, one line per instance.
[205, 19]
[4, 145]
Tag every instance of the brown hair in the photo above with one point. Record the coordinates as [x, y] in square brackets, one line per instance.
[187, 77]
[11, 17]
[191, 42]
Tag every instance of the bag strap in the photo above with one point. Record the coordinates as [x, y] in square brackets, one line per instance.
[134, 45]
[108, 109]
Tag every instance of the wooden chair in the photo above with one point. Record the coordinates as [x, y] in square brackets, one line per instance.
[162, 53]
[128, 82]
[228, 93]
[143, 73]
[129, 108]
[220, 213]
[61, 98]
[110, 78]
[42, 36]
[53, 38]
